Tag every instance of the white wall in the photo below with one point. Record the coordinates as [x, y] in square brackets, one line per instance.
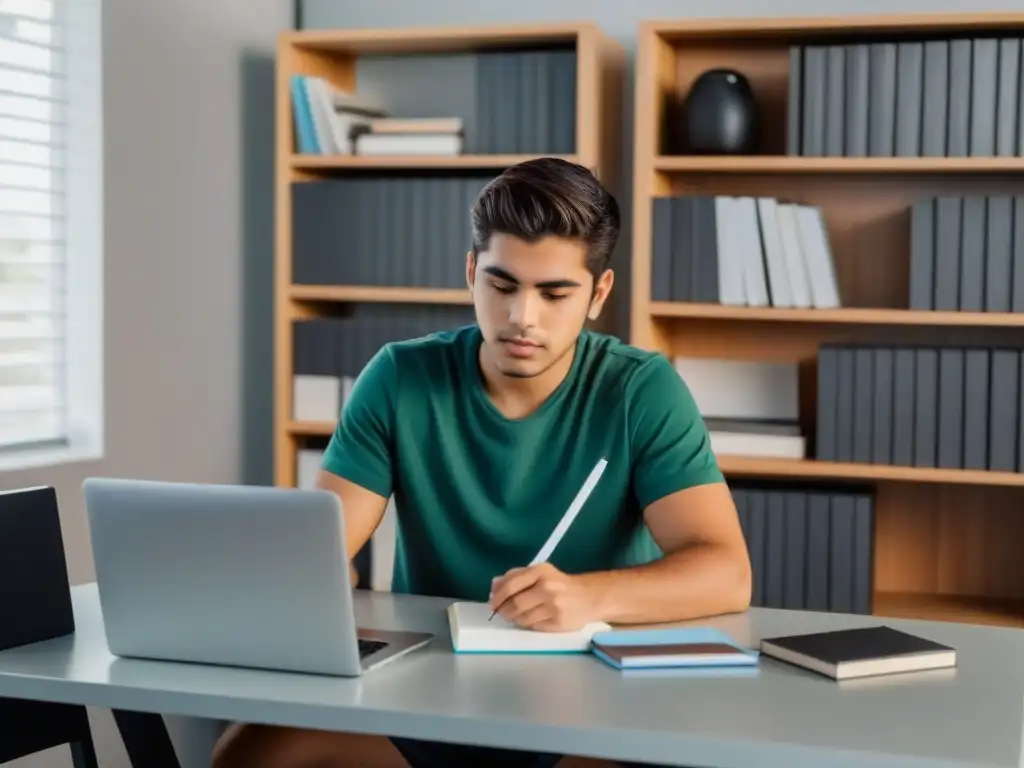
[188, 163]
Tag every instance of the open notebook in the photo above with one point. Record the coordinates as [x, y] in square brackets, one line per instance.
[473, 633]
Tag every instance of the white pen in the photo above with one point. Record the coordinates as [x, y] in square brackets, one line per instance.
[570, 514]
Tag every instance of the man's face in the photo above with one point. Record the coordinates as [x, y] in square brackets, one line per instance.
[532, 300]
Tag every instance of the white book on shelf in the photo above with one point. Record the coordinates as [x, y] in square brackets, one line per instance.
[796, 267]
[747, 234]
[818, 252]
[775, 259]
[731, 287]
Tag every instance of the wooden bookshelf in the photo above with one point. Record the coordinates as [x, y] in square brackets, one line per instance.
[945, 540]
[336, 55]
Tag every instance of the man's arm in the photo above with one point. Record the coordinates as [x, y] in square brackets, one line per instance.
[357, 464]
[362, 510]
[689, 510]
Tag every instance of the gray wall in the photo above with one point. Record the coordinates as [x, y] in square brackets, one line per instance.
[617, 19]
[188, 165]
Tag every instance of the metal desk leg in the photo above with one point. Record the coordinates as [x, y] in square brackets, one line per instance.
[146, 739]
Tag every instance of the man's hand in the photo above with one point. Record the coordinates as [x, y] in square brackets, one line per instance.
[541, 597]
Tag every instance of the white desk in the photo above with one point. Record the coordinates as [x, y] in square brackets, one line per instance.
[780, 717]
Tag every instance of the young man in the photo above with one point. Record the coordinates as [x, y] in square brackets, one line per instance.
[485, 434]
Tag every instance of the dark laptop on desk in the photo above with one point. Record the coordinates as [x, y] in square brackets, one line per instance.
[234, 575]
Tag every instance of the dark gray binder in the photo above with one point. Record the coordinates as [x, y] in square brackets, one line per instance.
[563, 101]
[794, 100]
[909, 97]
[863, 404]
[976, 413]
[948, 222]
[775, 552]
[1017, 298]
[926, 407]
[826, 448]
[935, 109]
[882, 398]
[758, 539]
[661, 249]
[819, 550]
[815, 100]
[863, 554]
[1008, 99]
[999, 254]
[844, 405]
[484, 140]
[922, 254]
[506, 112]
[704, 254]
[542, 117]
[835, 101]
[858, 99]
[972, 254]
[841, 543]
[1004, 405]
[795, 505]
[683, 208]
[984, 85]
[882, 110]
[959, 125]
[951, 408]
[904, 389]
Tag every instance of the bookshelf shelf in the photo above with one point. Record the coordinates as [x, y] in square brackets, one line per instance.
[742, 466]
[844, 316]
[784, 164]
[411, 162]
[378, 294]
[943, 539]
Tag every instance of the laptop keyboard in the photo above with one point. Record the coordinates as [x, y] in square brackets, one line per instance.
[366, 647]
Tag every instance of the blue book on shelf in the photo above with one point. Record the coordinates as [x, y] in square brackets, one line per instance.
[303, 118]
[670, 647]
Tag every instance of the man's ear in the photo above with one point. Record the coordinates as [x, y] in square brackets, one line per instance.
[601, 290]
[470, 270]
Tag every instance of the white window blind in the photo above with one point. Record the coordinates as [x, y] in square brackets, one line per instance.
[50, 215]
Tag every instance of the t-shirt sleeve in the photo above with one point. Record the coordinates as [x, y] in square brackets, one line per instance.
[361, 448]
[670, 444]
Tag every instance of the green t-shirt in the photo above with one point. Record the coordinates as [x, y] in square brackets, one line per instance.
[477, 493]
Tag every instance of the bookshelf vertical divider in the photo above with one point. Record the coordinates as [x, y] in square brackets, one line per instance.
[945, 537]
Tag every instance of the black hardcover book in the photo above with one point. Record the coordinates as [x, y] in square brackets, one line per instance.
[861, 652]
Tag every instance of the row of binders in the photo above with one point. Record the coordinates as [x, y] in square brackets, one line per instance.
[328, 354]
[810, 549]
[343, 230]
[741, 251]
[955, 97]
[967, 253]
[947, 407]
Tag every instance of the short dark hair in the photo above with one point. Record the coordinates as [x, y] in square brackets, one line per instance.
[549, 196]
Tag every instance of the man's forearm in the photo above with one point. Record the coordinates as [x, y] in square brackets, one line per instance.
[698, 581]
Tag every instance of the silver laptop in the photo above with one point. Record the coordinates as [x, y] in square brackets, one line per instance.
[227, 574]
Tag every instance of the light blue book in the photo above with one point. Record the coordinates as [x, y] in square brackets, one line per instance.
[671, 647]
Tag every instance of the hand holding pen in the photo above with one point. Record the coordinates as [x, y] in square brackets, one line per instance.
[539, 596]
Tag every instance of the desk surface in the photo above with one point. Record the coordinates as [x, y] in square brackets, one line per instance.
[779, 716]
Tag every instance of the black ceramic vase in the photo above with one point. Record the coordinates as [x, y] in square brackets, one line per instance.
[720, 115]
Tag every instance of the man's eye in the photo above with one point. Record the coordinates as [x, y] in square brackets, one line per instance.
[502, 288]
[555, 296]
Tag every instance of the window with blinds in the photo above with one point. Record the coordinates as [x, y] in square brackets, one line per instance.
[49, 110]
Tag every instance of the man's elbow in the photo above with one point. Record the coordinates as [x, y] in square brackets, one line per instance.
[740, 580]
